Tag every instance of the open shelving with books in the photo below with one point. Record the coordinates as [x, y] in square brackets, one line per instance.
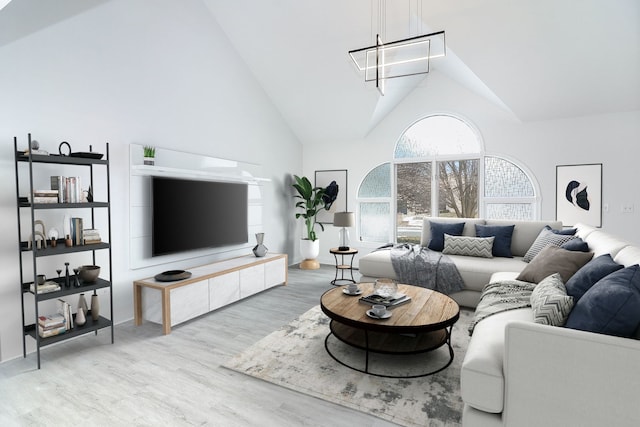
[41, 252]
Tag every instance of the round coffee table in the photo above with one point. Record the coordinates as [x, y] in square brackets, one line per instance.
[422, 325]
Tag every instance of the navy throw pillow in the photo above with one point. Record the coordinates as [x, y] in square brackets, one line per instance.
[590, 274]
[502, 241]
[611, 306]
[439, 229]
[576, 244]
[564, 231]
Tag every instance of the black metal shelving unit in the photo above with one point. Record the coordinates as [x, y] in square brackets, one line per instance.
[26, 209]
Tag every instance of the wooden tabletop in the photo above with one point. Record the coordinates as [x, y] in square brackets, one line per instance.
[428, 310]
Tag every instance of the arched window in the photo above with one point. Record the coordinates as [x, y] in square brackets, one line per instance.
[439, 169]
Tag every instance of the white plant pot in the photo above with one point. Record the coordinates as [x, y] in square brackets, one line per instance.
[309, 249]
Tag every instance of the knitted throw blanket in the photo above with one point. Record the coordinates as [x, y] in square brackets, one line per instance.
[502, 296]
[420, 266]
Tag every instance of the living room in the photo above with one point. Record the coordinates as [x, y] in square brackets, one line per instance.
[271, 84]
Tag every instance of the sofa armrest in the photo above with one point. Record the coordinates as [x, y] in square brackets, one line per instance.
[564, 377]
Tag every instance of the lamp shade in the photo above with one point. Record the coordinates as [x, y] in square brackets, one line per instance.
[344, 219]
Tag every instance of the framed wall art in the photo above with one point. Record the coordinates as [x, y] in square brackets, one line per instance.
[323, 178]
[579, 194]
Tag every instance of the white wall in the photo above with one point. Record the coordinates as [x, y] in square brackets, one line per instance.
[608, 139]
[130, 72]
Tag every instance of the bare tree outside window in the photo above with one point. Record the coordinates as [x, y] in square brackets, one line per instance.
[413, 199]
[458, 188]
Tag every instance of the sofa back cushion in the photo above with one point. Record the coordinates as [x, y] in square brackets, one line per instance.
[502, 234]
[524, 232]
[602, 243]
[469, 227]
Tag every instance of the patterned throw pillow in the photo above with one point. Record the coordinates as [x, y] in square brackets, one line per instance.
[545, 238]
[469, 246]
[550, 303]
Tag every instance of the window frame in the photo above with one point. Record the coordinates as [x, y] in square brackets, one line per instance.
[435, 160]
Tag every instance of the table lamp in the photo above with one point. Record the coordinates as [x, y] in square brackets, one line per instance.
[344, 220]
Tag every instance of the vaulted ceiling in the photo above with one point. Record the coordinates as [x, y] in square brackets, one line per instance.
[537, 59]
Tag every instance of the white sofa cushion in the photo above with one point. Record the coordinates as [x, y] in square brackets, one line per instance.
[628, 256]
[476, 272]
[481, 376]
[377, 264]
[603, 243]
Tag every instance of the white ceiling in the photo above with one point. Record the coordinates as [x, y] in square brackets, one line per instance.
[537, 59]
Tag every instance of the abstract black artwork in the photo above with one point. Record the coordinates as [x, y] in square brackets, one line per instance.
[579, 194]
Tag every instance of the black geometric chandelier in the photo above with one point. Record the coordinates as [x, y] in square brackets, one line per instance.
[400, 58]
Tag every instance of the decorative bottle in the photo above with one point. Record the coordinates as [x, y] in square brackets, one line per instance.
[67, 278]
[260, 250]
[95, 307]
[82, 304]
[81, 319]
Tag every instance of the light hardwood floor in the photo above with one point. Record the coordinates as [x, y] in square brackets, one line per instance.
[146, 378]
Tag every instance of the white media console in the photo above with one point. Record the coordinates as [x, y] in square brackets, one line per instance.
[210, 287]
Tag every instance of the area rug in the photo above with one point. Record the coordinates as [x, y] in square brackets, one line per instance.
[295, 357]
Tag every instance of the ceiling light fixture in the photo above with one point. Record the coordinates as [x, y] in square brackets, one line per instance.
[400, 58]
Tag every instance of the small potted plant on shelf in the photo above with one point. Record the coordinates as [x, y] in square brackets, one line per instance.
[149, 155]
[312, 201]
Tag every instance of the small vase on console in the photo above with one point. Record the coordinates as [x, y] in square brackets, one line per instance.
[260, 250]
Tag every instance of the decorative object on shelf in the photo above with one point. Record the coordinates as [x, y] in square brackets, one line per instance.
[312, 200]
[90, 195]
[95, 307]
[53, 236]
[76, 280]
[40, 279]
[80, 317]
[67, 278]
[89, 273]
[64, 149]
[400, 58]
[260, 249]
[68, 242]
[33, 239]
[385, 287]
[149, 155]
[82, 304]
[344, 220]
[66, 226]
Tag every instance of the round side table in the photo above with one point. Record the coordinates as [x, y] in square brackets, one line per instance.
[341, 266]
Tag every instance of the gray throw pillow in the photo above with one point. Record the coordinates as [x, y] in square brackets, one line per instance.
[469, 246]
[550, 303]
[553, 259]
[545, 238]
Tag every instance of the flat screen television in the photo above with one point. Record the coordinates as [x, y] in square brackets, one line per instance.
[192, 214]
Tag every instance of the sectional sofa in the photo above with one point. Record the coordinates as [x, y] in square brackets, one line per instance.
[475, 271]
[517, 372]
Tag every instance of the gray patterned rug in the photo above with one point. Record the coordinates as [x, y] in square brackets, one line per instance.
[295, 357]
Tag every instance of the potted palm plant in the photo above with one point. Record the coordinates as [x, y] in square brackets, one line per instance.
[312, 200]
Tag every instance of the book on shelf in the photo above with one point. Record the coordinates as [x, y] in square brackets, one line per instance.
[91, 235]
[68, 188]
[64, 308]
[50, 321]
[46, 287]
[76, 231]
[45, 333]
[387, 301]
[44, 199]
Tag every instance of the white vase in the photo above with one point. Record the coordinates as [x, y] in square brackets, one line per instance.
[95, 307]
[309, 249]
[80, 317]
